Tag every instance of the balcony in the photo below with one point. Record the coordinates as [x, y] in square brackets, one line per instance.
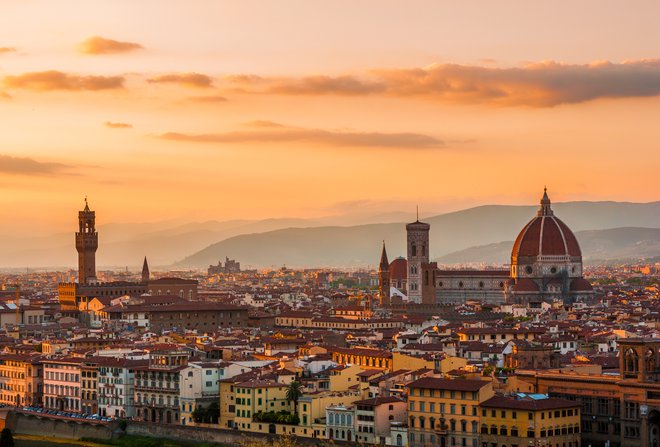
[157, 389]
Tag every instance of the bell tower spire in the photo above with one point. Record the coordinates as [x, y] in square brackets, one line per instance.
[145, 271]
[87, 241]
[384, 278]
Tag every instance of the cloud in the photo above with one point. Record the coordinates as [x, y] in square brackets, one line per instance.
[264, 123]
[187, 79]
[29, 166]
[309, 85]
[112, 125]
[5, 95]
[269, 132]
[207, 99]
[542, 84]
[7, 50]
[322, 85]
[57, 80]
[99, 45]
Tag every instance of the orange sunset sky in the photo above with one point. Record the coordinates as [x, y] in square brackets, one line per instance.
[256, 109]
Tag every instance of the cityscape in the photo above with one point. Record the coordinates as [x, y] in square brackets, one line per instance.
[316, 224]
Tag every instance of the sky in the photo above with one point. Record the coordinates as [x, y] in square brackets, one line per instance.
[256, 109]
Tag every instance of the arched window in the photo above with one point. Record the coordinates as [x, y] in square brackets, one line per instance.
[422, 421]
[631, 361]
[413, 249]
[650, 361]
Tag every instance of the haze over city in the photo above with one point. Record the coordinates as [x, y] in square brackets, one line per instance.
[302, 223]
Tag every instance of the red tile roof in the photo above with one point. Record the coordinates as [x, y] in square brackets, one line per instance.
[434, 383]
[528, 403]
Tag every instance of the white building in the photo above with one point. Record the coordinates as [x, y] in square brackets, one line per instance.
[200, 385]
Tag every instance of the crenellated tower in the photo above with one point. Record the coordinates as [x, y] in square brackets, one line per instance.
[87, 241]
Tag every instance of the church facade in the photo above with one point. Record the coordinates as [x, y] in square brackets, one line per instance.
[546, 266]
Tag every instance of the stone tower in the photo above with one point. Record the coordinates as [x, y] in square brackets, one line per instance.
[145, 271]
[418, 253]
[384, 278]
[87, 241]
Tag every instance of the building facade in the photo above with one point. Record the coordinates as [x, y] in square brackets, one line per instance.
[21, 379]
[157, 387]
[62, 384]
[617, 410]
[445, 412]
[536, 419]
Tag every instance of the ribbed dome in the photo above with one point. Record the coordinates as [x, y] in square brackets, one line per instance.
[399, 269]
[545, 235]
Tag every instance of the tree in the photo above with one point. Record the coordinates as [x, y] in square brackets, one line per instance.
[213, 412]
[198, 414]
[293, 393]
[6, 438]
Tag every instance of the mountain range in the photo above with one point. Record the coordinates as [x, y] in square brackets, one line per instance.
[470, 235]
[450, 233]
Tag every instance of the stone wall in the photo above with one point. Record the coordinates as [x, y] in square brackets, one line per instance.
[223, 436]
[20, 423]
[28, 424]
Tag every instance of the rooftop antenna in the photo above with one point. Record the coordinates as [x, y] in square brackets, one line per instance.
[417, 213]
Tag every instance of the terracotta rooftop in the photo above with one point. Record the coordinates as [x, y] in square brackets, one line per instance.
[435, 383]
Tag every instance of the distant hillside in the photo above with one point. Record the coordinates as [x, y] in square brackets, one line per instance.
[127, 244]
[615, 243]
[452, 232]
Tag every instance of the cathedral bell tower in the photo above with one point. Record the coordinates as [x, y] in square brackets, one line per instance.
[87, 241]
[418, 254]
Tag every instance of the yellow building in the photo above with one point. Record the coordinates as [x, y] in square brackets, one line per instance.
[409, 362]
[368, 358]
[227, 403]
[257, 402]
[530, 420]
[21, 379]
[445, 412]
[259, 396]
[343, 377]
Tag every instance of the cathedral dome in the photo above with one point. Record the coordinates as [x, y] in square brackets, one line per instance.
[545, 235]
[399, 269]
